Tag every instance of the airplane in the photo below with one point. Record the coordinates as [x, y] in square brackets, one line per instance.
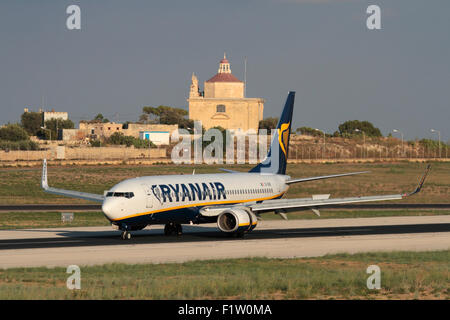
[234, 200]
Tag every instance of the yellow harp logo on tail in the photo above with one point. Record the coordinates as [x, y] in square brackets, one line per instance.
[283, 136]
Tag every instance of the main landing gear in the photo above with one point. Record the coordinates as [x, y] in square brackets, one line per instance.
[173, 228]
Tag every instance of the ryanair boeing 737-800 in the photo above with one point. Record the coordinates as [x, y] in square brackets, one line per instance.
[234, 199]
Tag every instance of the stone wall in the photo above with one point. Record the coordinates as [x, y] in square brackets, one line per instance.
[67, 153]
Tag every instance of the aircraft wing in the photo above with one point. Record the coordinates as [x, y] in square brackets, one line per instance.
[67, 193]
[280, 205]
[286, 204]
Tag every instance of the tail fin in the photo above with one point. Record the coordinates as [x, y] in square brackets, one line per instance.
[275, 162]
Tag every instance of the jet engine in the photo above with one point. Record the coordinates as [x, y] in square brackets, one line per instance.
[237, 220]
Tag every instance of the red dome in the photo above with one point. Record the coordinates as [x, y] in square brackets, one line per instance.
[224, 77]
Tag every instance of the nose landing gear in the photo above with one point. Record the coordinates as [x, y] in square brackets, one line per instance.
[126, 235]
[173, 228]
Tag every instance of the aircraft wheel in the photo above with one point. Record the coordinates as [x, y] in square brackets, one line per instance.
[178, 229]
[126, 235]
[169, 229]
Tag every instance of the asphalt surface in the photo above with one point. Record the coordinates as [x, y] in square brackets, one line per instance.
[98, 207]
[281, 239]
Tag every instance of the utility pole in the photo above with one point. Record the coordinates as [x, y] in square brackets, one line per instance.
[245, 77]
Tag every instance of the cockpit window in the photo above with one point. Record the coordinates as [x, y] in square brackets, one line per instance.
[127, 195]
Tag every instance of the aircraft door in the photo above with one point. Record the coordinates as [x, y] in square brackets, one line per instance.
[148, 196]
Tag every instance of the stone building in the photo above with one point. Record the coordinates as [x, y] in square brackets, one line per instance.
[49, 115]
[223, 102]
[159, 134]
[100, 129]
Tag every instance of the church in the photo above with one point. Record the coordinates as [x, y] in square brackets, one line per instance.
[223, 102]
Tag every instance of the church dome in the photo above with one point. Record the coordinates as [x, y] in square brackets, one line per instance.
[224, 73]
[224, 77]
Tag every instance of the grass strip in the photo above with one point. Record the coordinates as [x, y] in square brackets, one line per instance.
[404, 275]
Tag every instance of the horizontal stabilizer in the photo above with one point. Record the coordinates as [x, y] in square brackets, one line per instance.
[229, 170]
[324, 177]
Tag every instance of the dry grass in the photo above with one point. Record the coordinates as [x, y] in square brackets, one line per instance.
[404, 275]
[19, 186]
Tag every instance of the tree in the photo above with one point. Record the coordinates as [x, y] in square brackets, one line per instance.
[31, 122]
[166, 115]
[13, 132]
[99, 118]
[55, 124]
[268, 123]
[348, 128]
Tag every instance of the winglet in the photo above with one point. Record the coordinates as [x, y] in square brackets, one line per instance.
[44, 182]
[422, 180]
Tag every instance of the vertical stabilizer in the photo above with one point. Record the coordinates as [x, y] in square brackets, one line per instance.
[276, 160]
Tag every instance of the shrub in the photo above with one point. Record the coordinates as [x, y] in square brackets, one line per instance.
[95, 143]
[18, 145]
[13, 132]
[119, 138]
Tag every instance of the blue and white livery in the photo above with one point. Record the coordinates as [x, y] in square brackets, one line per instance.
[233, 200]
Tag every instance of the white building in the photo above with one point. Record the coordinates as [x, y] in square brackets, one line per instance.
[157, 137]
[48, 115]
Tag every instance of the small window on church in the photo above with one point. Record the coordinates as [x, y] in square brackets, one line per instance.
[220, 108]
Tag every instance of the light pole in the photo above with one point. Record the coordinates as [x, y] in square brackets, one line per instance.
[364, 142]
[49, 131]
[323, 149]
[398, 131]
[439, 135]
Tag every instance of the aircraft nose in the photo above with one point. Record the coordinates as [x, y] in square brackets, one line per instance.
[107, 208]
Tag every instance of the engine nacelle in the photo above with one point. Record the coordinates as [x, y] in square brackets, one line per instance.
[237, 220]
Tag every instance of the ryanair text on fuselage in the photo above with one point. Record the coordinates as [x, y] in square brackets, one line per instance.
[191, 192]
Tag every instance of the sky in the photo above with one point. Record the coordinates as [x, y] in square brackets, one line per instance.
[130, 54]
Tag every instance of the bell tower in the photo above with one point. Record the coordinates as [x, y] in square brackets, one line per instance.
[224, 66]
